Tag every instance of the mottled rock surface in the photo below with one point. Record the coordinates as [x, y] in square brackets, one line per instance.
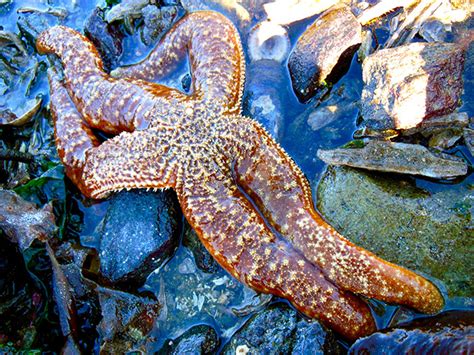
[322, 48]
[140, 230]
[429, 232]
[280, 327]
[201, 339]
[126, 320]
[407, 84]
[398, 158]
[106, 37]
[448, 333]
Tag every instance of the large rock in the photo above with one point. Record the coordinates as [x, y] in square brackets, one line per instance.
[429, 232]
[410, 83]
[281, 328]
[323, 51]
[398, 158]
[140, 231]
[448, 333]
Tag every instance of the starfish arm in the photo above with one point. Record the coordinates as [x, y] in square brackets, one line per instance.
[237, 237]
[142, 159]
[72, 134]
[111, 105]
[283, 194]
[138, 160]
[216, 56]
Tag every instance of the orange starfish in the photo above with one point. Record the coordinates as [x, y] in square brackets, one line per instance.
[247, 200]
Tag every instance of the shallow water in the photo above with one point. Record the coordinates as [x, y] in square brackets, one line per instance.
[226, 293]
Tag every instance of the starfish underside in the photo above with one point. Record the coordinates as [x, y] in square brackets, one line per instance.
[247, 200]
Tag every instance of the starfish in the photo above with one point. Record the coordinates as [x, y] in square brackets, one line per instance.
[247, 200]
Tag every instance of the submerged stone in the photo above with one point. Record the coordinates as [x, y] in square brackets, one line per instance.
[447, 333]
[428, 232]
[280, 327]
[140, 230]
[264, 98]
[324, 51]
[126, 320]
[200, 339]
[410, 83]
[397, 158]
[106, 37]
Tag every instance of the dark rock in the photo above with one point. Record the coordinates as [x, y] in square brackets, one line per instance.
[407, 84]
[281, 328]
[107, 38]
[126, 320]
[423, 230]
[140, 231]
[200, 339]
[323, 52]
[264, 97]
[448, 333]
[204, 260]
[313, 338]
[23, 222]
[397, 158]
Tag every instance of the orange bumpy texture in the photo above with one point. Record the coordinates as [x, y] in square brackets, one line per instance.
[247, 200]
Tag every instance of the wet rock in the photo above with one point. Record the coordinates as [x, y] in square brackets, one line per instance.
[407, 84]
[469, 139]
[313, 338]
[398, 158]
[157, 21]
[264, 97]
[322, 54]
[434, 31]
[201, 339]
[445, 139]
[125, 10]
[423, 230]
[448, 333]
[126, 320]
[268, 40]
[106, 37]
[437, 124]
[280, 327]
[139, 232]
[204, 260]
[285, 12]
[23, 222]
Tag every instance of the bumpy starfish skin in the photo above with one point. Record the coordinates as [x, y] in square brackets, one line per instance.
[247, 200]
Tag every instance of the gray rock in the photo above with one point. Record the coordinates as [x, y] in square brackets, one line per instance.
[139, 232]
[426, 231]
[106, 37]
[438, 124]
[322, 54]
[469, 139]
[201, 339]
[126, 320]
[398, 158]
[448, 333]
[410, 83]
[281, 328]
